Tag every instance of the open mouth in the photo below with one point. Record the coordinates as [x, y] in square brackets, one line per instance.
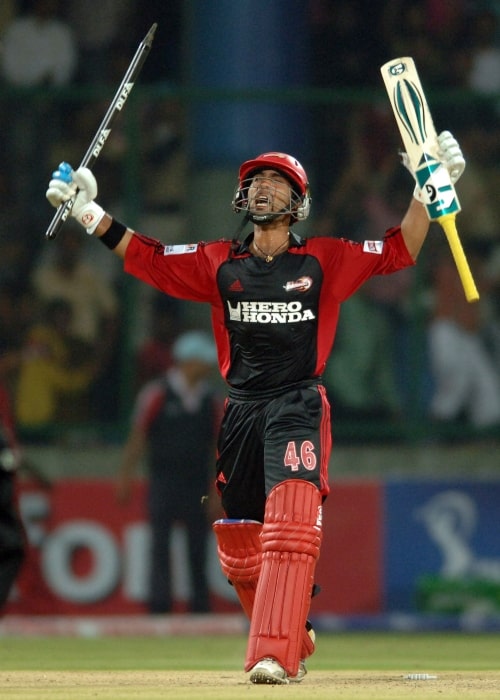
[262, 202]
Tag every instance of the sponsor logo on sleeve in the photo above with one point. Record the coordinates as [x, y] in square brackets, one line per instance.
[373, 247]
[180, 249]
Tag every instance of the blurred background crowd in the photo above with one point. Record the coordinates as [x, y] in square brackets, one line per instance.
[78, 339]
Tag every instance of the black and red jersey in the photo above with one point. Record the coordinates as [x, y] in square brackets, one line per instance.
[274, 322]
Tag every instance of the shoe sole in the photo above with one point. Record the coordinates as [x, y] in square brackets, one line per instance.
[261, 677]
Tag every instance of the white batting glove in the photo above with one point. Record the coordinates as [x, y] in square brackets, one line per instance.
[81, 185]
[451, 156]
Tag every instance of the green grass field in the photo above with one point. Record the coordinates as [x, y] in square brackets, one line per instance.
[357, 665]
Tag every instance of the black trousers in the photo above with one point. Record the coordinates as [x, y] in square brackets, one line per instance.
[164, 513]
[264, 441]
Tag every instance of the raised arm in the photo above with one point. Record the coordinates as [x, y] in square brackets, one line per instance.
[414, 227]
[415, 223]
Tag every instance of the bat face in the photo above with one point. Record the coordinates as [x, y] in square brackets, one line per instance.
[420, 141]
[419, 136]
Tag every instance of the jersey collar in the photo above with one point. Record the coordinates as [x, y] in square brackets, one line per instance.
[244, 247]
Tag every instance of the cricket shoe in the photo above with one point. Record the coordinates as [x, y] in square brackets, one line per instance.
[301, 673]
[268, 671]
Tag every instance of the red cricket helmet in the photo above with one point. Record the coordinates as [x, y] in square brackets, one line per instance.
[289, 167]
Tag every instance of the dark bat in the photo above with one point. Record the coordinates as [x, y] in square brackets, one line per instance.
[104, 130]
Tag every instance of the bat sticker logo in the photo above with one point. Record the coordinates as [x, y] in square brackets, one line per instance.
[431, 192]
[439, 195]
[127, 88]
[101, 141]
[397, 69]
[410, 107]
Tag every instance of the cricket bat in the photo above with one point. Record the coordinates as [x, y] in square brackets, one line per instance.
[420, 142]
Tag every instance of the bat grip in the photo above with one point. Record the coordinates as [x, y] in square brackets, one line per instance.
[447, 222]
[58, 219]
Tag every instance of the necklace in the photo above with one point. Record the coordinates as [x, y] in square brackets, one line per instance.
[269, 257]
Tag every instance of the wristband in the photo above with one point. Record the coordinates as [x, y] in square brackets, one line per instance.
[113, 235]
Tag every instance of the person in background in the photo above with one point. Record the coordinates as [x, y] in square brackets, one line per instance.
[68, 275]
[175, 422]
[33, 44]
[154, 354]
[53, 378]
[39, 52]
[466, 379]
[95, 321]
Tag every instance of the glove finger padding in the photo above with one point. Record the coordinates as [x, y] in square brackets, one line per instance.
[59, 192]
[451, 155]
[86, 183]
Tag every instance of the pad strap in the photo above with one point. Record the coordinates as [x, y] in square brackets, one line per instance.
[291, 539]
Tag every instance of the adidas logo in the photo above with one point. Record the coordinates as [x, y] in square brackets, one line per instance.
[236, 286]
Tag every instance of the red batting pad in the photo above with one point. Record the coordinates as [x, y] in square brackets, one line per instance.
[291, 538]
[240, 552]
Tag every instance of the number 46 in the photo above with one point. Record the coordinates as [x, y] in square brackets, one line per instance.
[307, 457]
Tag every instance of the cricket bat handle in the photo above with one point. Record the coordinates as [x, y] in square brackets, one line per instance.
[447, 222]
